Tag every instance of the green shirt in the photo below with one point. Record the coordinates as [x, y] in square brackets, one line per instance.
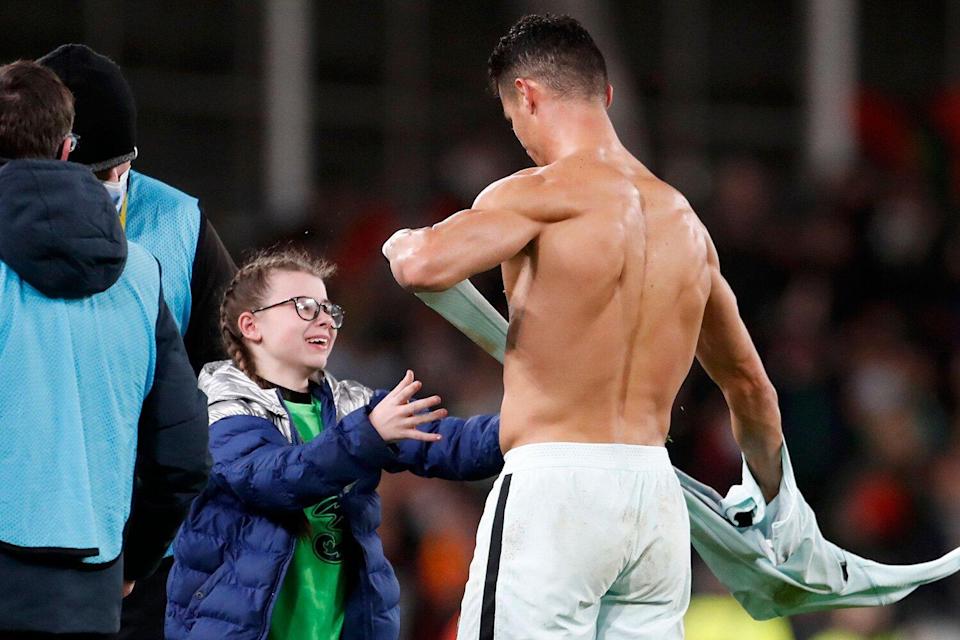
[310, 604]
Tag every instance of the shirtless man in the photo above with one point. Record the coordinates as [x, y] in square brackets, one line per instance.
[614, 287]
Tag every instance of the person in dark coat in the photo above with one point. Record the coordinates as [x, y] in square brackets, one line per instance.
[104, 438]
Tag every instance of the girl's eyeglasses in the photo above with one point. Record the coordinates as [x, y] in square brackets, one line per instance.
[309, 308]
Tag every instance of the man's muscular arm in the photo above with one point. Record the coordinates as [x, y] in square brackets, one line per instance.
[504, 219]
[728, 355]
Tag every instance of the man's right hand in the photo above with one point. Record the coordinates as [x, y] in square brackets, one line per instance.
[396, 418]
[389, 248]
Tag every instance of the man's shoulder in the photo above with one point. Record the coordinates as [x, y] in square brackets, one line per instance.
[663, 197]
[537, 193]
[508, 189]
[139, 255]
[147, 186]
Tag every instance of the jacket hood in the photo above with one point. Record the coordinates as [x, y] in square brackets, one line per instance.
[59, 229]
[222, 381]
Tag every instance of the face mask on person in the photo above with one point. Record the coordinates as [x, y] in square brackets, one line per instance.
[117, 190]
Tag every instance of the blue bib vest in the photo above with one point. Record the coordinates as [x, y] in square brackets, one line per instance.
[166, 222]
[68, 443]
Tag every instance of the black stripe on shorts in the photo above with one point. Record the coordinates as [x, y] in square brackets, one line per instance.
[489, 605]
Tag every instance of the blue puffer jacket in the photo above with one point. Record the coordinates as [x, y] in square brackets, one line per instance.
[232, 553]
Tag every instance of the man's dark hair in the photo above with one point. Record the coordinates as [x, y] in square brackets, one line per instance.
[555, 50]
[36, 111]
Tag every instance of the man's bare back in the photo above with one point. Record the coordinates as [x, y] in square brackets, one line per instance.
[614, 286]
[605, 303]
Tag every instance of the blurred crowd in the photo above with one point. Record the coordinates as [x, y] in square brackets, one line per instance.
[850, 290]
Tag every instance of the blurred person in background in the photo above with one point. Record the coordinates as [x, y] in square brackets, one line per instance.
[95, 388]
[167, 222]
[872, 623]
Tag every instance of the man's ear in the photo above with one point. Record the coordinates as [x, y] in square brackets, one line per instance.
[65, 149]
[609, 96]
[247, 324]
[529, 92]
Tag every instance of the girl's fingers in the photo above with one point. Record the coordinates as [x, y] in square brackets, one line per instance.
[404, 382]
[413, 434]
[409, 391]
[419, 405]
[423, 418]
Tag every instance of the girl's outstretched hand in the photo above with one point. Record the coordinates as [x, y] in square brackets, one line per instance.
[396, 418]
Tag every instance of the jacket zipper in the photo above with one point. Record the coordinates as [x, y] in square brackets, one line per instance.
[295, 435]
[275, 589]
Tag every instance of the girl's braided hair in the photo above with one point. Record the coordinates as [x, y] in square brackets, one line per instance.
[248, 290]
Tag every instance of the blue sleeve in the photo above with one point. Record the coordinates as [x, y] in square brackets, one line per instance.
[266, 472]
[469, 450]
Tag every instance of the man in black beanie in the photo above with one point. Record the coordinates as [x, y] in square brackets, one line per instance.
[168, 222]
[196, 266]
[106, 118]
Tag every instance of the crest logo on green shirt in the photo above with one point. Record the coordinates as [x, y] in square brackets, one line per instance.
[310, 605]
[326, 520]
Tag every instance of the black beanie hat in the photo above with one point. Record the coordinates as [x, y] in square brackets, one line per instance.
[106, 116]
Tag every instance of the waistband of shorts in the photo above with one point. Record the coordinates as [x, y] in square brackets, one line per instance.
[623, 457]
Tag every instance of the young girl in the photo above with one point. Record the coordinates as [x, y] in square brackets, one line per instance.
[283, 541]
